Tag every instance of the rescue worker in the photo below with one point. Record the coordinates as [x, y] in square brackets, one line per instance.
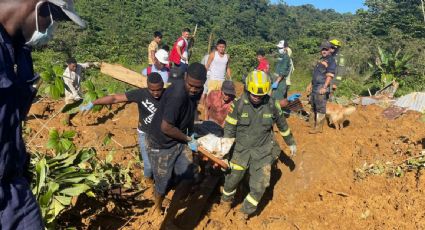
[323, 73]
[23, 24]
[340, 69]
[250, 122]
[283, 69]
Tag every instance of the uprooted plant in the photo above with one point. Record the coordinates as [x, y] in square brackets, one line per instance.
[62, 176]
[415, 163]
[65, 173]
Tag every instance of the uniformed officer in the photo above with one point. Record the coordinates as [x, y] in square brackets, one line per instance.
[250, 122]
[323, 73]
[340, 69]
[23, 24]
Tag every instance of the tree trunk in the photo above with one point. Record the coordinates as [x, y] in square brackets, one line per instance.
[423, 8]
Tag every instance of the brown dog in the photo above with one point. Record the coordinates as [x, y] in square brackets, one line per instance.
[337, 114]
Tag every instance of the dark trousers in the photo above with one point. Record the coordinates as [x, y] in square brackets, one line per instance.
[170, 166]
[18, 207]
[259, 180]
[318, 102]
[182, 66]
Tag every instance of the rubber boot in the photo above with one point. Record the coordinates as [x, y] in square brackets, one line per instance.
[157, 208]
[319, 124]
[312, 120]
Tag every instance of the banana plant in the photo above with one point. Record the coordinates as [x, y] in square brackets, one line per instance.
[60, 178]
[52, 78]
[389, 65]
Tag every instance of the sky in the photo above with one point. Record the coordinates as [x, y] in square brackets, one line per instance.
[341, 6]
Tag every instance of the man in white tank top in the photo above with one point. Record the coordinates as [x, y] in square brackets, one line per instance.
[218, 66]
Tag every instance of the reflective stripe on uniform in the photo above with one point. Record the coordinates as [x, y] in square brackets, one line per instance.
[229, 193]
[286, 133]
[231, 120]
[251, 200]
[236, 167]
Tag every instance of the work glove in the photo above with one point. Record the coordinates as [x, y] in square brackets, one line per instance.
[193, 144]
[86, 107]
[294, 97]
[275, 84]
[293, 150]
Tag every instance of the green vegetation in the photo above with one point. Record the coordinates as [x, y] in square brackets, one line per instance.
[119, 32]
[53, 82]
[67, 172]
[61, 176]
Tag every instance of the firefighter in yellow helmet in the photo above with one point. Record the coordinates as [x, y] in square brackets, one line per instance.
[250, 121]
[340, 69]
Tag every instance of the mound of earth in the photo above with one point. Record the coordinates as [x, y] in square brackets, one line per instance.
[320, 188]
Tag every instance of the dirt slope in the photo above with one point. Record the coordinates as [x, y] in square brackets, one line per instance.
[317, 190]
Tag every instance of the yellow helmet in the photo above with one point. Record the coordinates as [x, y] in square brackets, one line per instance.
[336, 42]
[258, 83]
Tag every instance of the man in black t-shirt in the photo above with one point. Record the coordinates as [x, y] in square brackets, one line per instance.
[147, 100]
[169, 148]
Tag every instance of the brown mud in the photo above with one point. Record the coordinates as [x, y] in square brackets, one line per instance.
[317, 189]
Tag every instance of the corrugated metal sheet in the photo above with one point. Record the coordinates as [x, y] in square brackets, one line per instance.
[413, 101]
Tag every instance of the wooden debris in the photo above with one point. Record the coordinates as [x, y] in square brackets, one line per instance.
[123, 74]
[343, 194]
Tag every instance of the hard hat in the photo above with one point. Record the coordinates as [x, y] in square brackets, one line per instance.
[258, 83]
[162, 56]
[336, 42]
[281, 44]
[325, 45]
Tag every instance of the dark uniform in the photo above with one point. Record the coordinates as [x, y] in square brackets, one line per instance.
[324, 67]
[339, 74]
[18, 207]
[283, 68]
[252, 127]
[340, 69]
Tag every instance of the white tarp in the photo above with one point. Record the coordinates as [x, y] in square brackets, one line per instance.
[413, 101]
[219, 146]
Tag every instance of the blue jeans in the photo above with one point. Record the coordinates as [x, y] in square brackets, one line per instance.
[147, 168]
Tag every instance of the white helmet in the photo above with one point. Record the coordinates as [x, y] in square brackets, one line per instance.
[162, 56]
[281, 44]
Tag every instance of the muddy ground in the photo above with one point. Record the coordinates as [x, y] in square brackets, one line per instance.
[323, 187]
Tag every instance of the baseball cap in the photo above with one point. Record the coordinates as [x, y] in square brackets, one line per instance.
[228, 87]
[281, 44]
[67, 7]
[325, 45]
[162, 56]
